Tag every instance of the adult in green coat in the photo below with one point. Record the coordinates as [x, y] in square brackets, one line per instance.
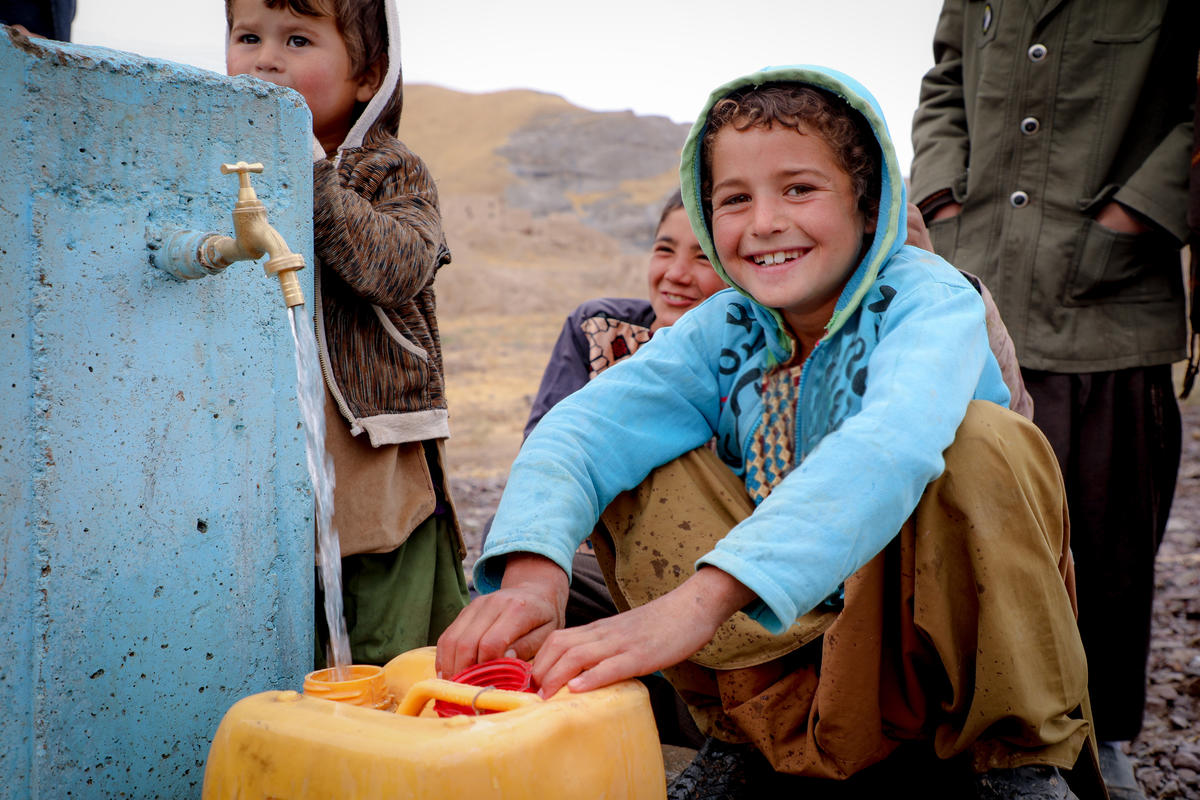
[1051, 148]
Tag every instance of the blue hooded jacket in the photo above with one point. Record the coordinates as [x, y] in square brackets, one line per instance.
[880, 399]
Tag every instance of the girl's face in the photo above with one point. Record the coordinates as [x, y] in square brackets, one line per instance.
[680, 275]
[786, 223]
[303, 53]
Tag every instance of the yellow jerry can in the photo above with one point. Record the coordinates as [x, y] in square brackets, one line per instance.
[284, 744]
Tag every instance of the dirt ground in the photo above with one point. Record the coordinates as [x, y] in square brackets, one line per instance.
[1167, 754]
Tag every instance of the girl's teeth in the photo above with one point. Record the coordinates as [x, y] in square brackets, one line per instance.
[770, 259]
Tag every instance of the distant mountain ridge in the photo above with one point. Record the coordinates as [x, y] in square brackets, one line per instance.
[526, 178]
[610, 167]
[544, 205]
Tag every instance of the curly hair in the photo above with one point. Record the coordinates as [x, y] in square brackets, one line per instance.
[363, 27]
[795, 106]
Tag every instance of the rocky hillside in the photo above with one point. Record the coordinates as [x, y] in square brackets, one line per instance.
[545, 205]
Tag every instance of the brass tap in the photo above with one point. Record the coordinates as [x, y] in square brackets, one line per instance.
[252, 237]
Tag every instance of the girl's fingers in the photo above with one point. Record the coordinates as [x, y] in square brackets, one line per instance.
[493, 624]
[598, 648]
[609, 671]
[527, 646]
[481, 629]
[562, 656]
[457, 647]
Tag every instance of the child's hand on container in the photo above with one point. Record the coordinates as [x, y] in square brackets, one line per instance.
[644, 639]
[514, 620]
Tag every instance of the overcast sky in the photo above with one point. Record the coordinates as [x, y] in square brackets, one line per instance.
[614, 55]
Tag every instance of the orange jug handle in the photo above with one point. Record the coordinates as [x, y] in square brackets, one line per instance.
[481, 698]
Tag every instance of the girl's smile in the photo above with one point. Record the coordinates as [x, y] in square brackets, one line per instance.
[786, 222]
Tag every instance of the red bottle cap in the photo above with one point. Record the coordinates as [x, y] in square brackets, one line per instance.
[512, 674]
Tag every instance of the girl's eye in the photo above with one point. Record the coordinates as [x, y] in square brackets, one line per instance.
[248, 38]
[799, 189]
[664, 250]
[297, 41]
[733, 199]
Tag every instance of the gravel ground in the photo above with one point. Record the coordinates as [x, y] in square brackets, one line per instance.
[1166, 756]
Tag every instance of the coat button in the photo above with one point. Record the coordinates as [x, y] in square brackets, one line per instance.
[1037, 52]
[1018, 199]
[1030, 125]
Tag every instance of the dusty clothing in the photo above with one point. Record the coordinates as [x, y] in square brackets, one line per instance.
[1037, 114]
[607, 330]
[378, 237]
[402, 599]
[1004, 350]
[378, 335]
[960, 633]
[383, 493]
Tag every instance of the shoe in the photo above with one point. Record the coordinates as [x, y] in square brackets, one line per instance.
[1117, 771]
[720, 771]
[1031, 782]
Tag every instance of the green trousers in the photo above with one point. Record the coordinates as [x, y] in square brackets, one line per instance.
[400, 600]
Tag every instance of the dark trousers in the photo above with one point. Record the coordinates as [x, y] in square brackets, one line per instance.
[1117, 436]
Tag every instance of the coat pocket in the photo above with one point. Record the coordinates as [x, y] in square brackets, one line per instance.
[1123, 22]
[398, 337]
[1112, 267]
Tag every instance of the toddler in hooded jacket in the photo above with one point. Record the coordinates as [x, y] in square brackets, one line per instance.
[379, 244]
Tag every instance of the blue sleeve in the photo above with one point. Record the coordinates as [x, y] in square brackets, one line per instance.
[605, 438]
[850, 496]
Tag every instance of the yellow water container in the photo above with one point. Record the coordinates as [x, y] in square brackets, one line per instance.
[600, 744]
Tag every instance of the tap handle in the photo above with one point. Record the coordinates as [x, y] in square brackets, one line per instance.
[245, 191]
[240, 167]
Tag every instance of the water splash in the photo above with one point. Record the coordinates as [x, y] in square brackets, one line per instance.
[311, 392]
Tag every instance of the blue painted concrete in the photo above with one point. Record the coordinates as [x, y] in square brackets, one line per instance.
[155, 508]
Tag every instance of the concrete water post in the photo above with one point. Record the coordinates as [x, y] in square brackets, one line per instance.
[157, 547]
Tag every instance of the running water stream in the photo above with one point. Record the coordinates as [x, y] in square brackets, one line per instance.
[311, 393]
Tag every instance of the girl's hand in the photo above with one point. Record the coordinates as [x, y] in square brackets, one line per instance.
[640, 641]
[530, 604]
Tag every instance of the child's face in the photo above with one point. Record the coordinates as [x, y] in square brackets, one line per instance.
[303, 53]
[680, 275]
[786, 223]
